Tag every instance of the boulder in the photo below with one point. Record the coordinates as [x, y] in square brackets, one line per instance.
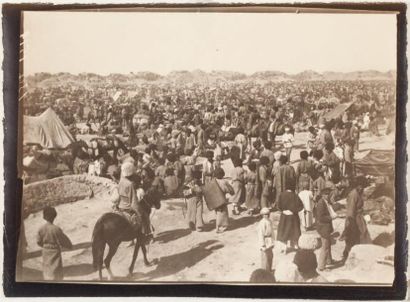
[363, 257]
[384, 239]
[381, 210]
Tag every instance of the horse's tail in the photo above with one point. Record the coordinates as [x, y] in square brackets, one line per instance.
[98, 244]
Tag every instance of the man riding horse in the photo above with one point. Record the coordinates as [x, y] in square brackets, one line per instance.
[130, 200]
[129, 221]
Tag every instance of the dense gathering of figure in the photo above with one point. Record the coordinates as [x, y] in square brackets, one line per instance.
[179, 140]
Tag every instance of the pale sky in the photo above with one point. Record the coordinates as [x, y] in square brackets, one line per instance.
[107, 42]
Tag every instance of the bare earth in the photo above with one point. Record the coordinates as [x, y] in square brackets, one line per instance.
[185, 256]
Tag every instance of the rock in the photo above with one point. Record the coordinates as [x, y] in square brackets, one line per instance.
[381, 210]
[384, 239]
[386, 203]
[364, 256]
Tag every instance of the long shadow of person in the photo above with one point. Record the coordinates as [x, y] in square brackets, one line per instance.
[173, 264]
[171, 235]
[234, 224]
[242, 222]
[78, 270]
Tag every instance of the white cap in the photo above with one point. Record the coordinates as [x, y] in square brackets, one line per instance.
[127, 169]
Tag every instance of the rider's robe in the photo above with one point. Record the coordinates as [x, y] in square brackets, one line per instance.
[128, 201]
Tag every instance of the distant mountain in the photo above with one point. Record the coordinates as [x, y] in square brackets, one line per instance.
[91, 80]
[227, 75]
[147, 75]
[185, 76]
[274, 76]
[360, 75]
[309, 75]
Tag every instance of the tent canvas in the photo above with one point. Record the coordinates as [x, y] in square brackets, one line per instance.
[47, 130]
[337, 111]
[376, 162]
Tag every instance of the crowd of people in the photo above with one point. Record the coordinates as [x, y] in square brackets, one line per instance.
[182, 140]
[111, 103]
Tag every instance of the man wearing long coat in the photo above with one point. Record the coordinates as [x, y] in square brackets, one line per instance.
[324, 227]
[284, 174]
[356, 231]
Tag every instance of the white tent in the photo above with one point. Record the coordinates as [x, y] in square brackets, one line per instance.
[47, 130]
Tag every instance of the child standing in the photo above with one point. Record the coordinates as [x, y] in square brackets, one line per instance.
[306, 215]
[266, 237]
[52, 239]
[287, 140]
[238, 184]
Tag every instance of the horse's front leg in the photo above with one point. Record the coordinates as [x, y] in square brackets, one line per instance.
[134, 258]
[144, 252]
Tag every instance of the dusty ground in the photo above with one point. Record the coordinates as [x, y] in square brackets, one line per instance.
[182, 255]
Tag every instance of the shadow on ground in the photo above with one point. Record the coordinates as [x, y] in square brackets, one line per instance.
[78, 270]
[35, 254]
[242, 222]
[171, 265]
[171, 235]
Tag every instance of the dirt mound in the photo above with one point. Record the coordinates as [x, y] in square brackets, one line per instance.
[66, 189]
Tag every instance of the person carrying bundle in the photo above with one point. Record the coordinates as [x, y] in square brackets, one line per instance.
[214, 195]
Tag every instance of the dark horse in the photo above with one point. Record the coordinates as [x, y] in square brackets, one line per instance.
[112, 229]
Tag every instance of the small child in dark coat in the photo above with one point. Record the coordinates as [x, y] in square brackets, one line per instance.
[52, 239]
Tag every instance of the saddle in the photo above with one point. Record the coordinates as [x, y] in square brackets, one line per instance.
[136, 220]
[131, 216]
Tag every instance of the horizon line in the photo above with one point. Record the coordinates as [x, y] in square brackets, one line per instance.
[208, 72]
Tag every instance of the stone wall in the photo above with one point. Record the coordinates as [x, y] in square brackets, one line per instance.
[66, 189]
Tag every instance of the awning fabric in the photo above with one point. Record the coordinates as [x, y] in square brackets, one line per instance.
[377, 163]
[47, 130]
[337, 111]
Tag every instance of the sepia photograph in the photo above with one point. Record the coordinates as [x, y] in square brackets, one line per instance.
[207, 147]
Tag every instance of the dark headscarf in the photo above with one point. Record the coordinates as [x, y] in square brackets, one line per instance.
[305, 260]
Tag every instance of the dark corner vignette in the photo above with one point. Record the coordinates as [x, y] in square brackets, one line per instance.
[13, 187]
